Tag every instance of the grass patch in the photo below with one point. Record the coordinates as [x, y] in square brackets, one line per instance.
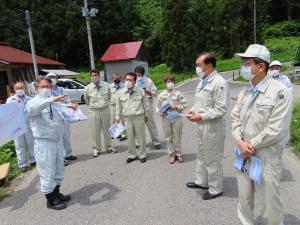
[283, 49]
[228, 64]
[241, 79]
[295, 128]
[7, 154]
[158, 73]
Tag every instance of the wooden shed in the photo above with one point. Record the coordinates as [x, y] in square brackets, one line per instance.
[16, 65]
[124, 57]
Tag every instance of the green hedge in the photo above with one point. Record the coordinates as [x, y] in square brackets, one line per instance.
[295, 128]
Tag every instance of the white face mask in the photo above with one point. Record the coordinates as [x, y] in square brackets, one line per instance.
[54, 81]
[274, 73]
[20, 92]
[128, 84]
[96, 79]
[199, 72]
[45, 92]
[246, 73]
[170, 85]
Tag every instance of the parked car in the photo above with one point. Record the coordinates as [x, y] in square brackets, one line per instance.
[73, 87]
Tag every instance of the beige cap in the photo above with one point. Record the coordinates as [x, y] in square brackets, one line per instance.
[256, 51]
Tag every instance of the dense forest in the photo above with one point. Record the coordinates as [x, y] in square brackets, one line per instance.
[173, 31]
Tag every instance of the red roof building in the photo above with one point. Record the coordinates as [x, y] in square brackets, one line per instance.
[124, 57]
[10, 55]
[16, 65]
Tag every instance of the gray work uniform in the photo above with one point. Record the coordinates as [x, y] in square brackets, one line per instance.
[211, 101]
[262, 118]
[47, 127]
[172, 129]
[134, 107]
[97, 99]
[148, 84]
[25, 142]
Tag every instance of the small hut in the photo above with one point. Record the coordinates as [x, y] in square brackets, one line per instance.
[124, 57]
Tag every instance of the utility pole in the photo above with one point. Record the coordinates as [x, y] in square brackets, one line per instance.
[28, 21]
[254, 20]
[88, 14]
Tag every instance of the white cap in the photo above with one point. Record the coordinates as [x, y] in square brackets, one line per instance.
[256, 51]
[51, 75]
[275, 63]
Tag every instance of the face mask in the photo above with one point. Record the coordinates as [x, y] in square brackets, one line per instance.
[117, 81]
[170, 86]
[54, 81]
[20, 92]
[45, 92]
[128, 84]
[199, 72]
[96, 79]
[274, 73]
[246, 73]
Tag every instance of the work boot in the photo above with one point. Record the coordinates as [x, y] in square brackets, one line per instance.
[53, 201]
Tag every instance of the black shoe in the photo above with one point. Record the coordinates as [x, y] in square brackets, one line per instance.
[71, 157]
[33, 164]
[143, 160]
[56, 204]
[66, 163]
[123, 138]
[129, 160]
[209, 196]
[157, 146]
[194, 185]
[53, 200]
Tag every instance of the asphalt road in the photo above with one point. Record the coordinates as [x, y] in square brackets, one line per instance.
[107, 191]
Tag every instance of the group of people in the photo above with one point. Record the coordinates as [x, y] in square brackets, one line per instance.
[260, 124]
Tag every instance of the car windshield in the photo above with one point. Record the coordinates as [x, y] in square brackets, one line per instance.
[80, 82]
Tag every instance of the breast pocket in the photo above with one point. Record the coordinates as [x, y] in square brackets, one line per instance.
[206, 96]
[264, 108]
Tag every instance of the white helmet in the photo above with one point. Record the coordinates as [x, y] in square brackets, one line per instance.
[51, 75]
[275, 63]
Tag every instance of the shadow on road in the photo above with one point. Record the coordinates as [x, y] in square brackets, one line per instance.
[155, 155]
[19, 198]
[94, 194]
[287, 176]
[287, 220]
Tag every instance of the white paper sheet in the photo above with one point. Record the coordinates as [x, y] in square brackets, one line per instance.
[252, 167]
[116, 130]
[12, 121]
[72, 115]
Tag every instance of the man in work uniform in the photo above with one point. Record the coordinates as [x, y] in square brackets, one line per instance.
[25, 142]
[276, 73]
[116, 86]
[97, 97]
[56, 91]
[150, 91]
[260, 121]
[133, 106]
[47, 127]
[209, 110]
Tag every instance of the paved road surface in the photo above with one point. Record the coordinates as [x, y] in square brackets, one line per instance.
[106, 191]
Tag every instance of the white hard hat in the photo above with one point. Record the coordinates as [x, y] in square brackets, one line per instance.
[275, 63]
[51, 75]
[256, 51]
